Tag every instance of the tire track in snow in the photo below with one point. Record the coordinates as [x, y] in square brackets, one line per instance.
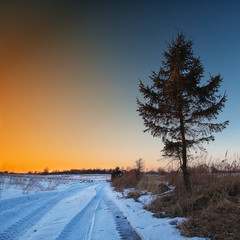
[81, 225]
[18, 228]
[125, 229]
[17, 210]
[8, 204]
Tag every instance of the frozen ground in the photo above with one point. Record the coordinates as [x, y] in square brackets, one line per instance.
[74, 207]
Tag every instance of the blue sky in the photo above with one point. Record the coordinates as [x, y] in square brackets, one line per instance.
[131, 36]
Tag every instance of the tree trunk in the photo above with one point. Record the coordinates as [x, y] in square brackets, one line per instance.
[186, 178]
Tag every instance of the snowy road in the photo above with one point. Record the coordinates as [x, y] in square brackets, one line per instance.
[82, 211]
[83, 207]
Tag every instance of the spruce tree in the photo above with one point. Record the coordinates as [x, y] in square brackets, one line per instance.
[178, 107]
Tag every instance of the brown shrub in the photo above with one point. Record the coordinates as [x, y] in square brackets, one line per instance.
[125, 181]
[151, 184]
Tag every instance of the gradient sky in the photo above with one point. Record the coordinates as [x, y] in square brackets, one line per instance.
[69, 75]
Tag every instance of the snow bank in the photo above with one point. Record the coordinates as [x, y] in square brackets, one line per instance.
[143, 221]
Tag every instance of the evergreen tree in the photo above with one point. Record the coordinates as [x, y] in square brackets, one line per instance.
[178, 107]
[116, 173]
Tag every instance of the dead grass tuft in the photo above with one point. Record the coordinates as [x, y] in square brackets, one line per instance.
[220, 221]
[212, 209]
[136, 194]
[153, 184]
[28, 183]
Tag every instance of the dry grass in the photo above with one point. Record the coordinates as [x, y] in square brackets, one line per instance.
[152, 184]
[140, 185]
[217, 221]
[212, 208]
[136, 194]
[126, 181]
[27, 183]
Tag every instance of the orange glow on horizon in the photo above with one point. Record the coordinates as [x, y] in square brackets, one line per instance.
[58, 106]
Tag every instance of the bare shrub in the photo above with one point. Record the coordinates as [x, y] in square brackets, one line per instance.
[139, 167]
[125, 181]
[52, 184]
[32, 184]
[151, 184]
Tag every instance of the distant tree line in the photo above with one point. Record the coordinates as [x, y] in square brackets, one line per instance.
[72, 171]
[77, 171]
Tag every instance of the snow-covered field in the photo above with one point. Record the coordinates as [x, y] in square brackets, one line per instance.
[74, 207]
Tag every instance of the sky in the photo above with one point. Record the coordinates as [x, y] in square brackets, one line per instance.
[69, 73]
